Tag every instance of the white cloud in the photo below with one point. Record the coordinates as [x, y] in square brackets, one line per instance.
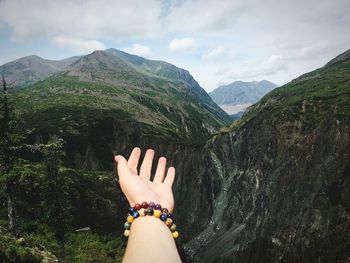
[202, 15]
[255, 69]
[214, 53]
[78, 45]
[88, 19]
[139, 50]
[183, 44]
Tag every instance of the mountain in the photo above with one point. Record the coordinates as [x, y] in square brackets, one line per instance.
[271, 187]
[104, 90]
[278, 180]
[237, 96]
[31, 69]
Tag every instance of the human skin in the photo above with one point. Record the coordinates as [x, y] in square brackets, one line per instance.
[150, 240]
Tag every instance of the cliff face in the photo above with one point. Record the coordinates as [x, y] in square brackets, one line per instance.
[283, 174]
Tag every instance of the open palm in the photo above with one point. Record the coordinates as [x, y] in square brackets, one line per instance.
[138, 187]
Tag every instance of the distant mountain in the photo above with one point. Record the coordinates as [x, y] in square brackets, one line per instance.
[31, 69]
[236, 97]
[120, 97]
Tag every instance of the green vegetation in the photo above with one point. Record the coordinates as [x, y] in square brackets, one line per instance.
[89, 197]
[320, 94]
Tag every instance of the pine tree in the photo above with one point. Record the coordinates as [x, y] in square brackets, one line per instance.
[55, 193]
[10, 138]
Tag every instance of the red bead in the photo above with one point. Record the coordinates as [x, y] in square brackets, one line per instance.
[144, 205]
[137, 206]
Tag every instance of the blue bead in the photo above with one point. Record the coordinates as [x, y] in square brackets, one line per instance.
[150, 211]
[131, 210]
[134, 213]
[163, 217]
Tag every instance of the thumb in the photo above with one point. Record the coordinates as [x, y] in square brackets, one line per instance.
[122, 166]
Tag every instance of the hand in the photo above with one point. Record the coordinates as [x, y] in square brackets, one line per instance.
[139, 188]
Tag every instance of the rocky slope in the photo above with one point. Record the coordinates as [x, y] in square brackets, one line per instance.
[237, 96]
[31, 69]
[283, 176]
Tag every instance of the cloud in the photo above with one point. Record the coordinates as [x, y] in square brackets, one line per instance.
[78, 45]
[139, 50]
[214, 53]
[205, 15]
[183, 44]
[88, 19]
[254, 69]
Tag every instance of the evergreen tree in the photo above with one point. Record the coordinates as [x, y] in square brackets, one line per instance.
[10, 138]
[55, 193]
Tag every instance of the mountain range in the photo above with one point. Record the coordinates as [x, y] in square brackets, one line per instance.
[270, 187]
[237, 96]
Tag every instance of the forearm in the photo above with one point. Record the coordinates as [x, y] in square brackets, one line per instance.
[150, 240]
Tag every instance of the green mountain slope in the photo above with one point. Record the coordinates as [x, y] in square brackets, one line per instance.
[31, 69]
[102, 95]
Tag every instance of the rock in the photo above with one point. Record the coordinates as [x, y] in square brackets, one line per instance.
[84, 229]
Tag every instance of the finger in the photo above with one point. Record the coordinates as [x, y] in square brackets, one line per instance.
[134, 159]
[122, 166]
[146, 166]
[170, 177]
[160, 172]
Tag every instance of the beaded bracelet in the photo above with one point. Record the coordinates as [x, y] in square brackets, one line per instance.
[150, 209]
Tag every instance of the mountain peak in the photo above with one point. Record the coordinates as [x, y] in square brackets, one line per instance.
[238, 95]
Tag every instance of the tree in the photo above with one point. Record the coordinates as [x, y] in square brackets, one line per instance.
[10, 138]
[55, 193]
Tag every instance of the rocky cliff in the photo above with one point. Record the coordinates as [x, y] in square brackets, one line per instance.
[282, 176]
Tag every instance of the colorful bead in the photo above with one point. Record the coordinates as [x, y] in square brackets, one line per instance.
[150, 211]
[126, 232]
[168, 222]
[175, 234]
[130, 219]
[157, 213]
[127, 225]
[163, 217]
[142, 212]
[134, 214]
[170, 215]
[144, 205]
[132, 210]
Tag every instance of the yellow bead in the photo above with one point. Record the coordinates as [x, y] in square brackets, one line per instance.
[157, 213]
[173, 227]
[175, 234]
[130, 219]
[169, 222]
[142, 212]
[126, 232]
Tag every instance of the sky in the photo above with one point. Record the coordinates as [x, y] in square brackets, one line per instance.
[218, 41]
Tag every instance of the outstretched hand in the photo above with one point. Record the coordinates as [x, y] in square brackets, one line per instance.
[137, 186]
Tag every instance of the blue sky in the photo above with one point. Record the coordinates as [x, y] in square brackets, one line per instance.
[217, 41]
